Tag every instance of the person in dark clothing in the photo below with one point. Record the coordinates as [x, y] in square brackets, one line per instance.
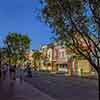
[29, 71]
[4, 70]
[12, 71]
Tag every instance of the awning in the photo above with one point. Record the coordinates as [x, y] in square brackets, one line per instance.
[61, 62]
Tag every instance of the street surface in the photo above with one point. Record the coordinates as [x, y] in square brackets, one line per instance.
[45, 86]
[17, 90]
[65, 88]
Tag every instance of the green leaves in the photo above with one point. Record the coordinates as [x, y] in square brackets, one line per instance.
[69, 17]
[36, 59]
[16, 45]
[37, 55]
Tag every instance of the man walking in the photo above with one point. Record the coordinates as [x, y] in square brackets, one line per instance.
[12, 71]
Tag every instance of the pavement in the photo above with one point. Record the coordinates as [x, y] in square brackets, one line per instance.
[44, 86]
[65, 88]
[20, 90]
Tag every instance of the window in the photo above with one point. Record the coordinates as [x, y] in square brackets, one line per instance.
[62, 53]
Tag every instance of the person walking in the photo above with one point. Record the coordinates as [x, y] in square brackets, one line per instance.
[20, 69]
[29, 71]
[12, 71]
[4, 70]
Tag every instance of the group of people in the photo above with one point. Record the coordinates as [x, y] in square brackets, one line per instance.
[12, 69]
[7, 68]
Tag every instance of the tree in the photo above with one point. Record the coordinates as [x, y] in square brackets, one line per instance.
[16, 45]
[69, 20]
[3, 56]
[36, 59]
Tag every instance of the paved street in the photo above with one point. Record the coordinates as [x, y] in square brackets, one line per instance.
[15, 90]
[44, 86]
[65, 88]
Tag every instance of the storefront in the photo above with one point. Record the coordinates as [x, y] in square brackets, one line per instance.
[62, 66]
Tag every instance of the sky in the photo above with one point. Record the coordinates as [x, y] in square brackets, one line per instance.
[20, 16]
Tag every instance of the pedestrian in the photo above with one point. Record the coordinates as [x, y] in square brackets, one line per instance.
[29, 71]
[12, 71]
[4, 70]
[20, 72]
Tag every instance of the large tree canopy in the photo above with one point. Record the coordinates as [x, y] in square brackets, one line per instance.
[78, 23]
[16, 45]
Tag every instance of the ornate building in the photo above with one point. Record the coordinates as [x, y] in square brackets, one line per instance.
[61, 59]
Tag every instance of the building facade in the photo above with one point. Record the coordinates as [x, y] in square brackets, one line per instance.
[61, 59]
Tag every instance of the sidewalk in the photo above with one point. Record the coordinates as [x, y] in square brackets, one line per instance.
[15, 90]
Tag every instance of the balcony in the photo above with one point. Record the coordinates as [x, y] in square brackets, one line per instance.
[61, 61]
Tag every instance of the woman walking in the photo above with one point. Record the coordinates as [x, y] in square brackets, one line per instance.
[4, 70]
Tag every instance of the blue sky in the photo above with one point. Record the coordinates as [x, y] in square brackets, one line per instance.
[18, 16]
